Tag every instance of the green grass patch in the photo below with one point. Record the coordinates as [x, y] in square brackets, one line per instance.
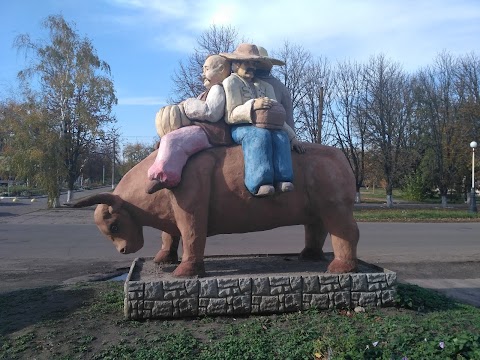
[423, 325]
[415, 215]
[379, 195]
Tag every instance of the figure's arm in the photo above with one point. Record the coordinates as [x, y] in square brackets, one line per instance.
[211, 109]
[288, 106]
[295, 144]
[289, 131]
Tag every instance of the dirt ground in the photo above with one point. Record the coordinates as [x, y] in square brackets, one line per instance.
[20, 275]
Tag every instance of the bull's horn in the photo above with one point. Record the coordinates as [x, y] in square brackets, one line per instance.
[107, 198]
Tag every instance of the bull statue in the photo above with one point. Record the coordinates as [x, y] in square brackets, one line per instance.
[212, 199]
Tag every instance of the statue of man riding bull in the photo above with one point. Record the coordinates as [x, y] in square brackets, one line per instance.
[199, 184]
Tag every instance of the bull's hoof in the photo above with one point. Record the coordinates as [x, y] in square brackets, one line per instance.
[311, 255]
[342, 266]
[190, 269]
[166, 257]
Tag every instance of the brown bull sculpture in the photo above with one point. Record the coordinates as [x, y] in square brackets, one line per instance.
[212, 199]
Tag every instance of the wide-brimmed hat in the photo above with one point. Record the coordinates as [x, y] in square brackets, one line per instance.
[244, 52]
[264, 54]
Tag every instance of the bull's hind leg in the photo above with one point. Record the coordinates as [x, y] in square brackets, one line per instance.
[344, 232]
[191, 214]
[168, 254]
[315, 235]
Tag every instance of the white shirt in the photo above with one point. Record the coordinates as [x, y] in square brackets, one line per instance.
[211, 109]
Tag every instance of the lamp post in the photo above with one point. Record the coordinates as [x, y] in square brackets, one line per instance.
[473, 204]
[113, 165]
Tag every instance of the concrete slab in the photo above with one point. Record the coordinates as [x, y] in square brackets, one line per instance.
[464, 290]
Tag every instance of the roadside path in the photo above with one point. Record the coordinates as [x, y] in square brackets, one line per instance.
[449, 261]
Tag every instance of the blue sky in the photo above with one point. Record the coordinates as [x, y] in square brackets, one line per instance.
[143, 41]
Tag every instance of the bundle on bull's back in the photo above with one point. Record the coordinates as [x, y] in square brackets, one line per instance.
[212, 199]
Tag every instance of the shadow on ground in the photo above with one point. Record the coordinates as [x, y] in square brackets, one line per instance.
[22, 308]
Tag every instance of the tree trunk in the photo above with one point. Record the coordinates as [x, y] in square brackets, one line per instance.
[69, 195]
[389, 201]
[53, 203]
[443, 195]
[389, 190]
[358, 199]
[444, 201]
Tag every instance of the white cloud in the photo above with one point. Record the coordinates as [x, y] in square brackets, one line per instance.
[406, 30]
[183, 43]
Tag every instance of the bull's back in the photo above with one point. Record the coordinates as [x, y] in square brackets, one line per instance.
[322, 177]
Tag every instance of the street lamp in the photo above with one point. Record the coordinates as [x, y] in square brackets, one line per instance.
[113, 165]
[473, 204]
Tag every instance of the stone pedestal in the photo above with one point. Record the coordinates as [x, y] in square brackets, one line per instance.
[243, 285]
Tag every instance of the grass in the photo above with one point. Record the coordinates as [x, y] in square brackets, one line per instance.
[86, 323]
[413, 212]
[415, 215]
[379, 197]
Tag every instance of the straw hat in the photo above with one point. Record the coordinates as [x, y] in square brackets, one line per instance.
[244, 52]
[264, 54]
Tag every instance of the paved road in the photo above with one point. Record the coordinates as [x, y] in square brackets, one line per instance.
[45, 247]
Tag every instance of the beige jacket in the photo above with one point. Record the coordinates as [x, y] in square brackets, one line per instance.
[240, 98]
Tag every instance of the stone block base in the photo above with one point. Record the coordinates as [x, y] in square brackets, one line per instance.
[243, 285]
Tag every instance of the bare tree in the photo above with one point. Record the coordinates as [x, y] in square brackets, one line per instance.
[293, 74]
[438, 104]
[313, 125]
[468, 88]
[387, 105]
[308, 81]
[187, 80]
[468, 83]
[349, 121]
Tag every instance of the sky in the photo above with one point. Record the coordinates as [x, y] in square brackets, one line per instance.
[144, 41]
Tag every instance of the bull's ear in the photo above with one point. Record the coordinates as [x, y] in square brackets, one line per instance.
[109, 199]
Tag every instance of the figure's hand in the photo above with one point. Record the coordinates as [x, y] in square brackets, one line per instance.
[262, 103]
[298, 146]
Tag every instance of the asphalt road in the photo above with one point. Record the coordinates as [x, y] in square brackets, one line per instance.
[379, 242]
[41, 247]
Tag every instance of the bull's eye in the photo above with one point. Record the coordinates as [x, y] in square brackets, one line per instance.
[113, 228]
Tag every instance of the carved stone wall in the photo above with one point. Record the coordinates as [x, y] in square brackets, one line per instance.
[257, 294]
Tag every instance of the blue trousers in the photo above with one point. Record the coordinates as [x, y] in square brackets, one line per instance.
[267, 155]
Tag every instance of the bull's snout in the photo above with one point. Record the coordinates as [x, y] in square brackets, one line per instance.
[127, 247]
[123, 249]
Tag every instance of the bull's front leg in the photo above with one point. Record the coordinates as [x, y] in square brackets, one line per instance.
[168, 254]
[192, 259]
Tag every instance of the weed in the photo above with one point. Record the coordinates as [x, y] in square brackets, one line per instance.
[442, 329]
[416, 298]
[414, 215]
[110, 300]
